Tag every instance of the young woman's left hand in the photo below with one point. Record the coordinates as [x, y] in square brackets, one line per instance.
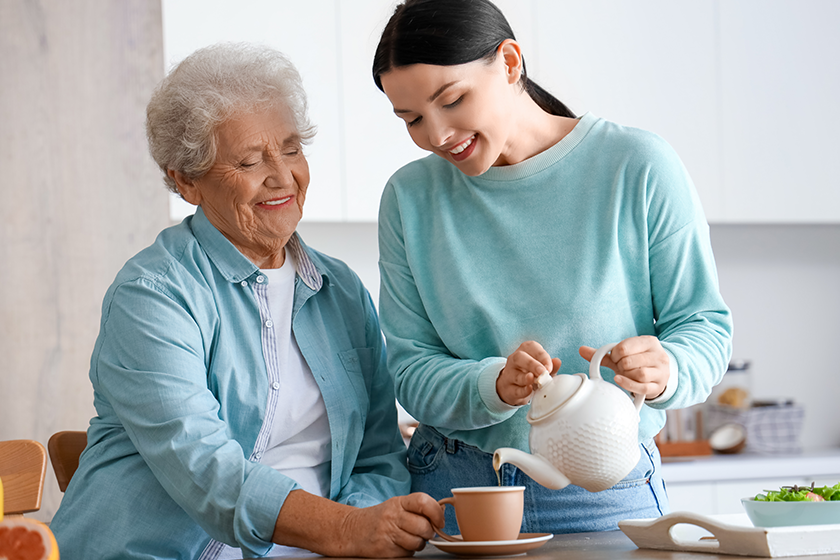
[640, 364]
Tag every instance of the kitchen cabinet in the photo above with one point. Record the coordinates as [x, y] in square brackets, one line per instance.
[745, 92]
[374, 140]
[649, 64]
[715, 485]
[780, 82]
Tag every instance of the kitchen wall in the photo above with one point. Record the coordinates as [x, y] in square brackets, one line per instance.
[783, 285]
[79, 195]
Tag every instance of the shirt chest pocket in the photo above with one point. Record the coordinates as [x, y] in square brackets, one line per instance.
[358, 367]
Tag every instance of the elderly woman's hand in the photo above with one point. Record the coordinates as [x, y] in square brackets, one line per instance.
[640, 364]
[397, 527]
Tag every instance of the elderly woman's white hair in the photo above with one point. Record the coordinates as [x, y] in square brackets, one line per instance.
[209, 87]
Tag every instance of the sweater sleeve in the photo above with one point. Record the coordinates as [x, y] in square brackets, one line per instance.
[692, 321]
[433, 386]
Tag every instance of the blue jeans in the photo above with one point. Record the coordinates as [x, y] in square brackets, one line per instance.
[438, 464]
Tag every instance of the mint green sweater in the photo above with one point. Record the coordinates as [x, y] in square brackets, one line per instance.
[597, 239]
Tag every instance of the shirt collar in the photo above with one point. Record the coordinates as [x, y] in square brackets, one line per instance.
[307, 270]
[236, 267]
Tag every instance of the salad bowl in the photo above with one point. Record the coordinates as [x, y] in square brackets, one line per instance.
[794, 505]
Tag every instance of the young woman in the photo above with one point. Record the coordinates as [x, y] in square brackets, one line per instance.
[531, 236]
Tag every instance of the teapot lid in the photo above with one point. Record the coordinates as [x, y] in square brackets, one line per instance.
[553, 394]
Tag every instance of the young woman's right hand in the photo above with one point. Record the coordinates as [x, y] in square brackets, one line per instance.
[515, 383]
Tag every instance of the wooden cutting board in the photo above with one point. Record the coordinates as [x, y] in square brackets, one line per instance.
[680, 531]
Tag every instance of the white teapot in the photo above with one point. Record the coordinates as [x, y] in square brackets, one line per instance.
[584, 431]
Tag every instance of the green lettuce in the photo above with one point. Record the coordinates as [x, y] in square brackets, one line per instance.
[800, 493]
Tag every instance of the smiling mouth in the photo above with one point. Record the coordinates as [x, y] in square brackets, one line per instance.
[277, 202]
[463, 146]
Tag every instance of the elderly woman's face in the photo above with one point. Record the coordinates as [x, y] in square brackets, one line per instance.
[254, 192]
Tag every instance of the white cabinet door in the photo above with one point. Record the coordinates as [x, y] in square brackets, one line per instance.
[727, 494]
[374, 141]
[780, 110]
[745, 91]
[696, 497]
[723, 497]
[649, 64]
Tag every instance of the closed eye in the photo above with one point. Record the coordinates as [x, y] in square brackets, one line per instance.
[413, 122]
[454, 103]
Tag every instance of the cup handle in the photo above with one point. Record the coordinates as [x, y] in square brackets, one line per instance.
[445, 536]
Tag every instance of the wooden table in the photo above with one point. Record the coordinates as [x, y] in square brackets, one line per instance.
[610, 545]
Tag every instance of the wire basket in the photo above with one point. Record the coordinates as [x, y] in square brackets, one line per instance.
[771, 429]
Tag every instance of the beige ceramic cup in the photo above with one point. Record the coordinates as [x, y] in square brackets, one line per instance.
[487, 513]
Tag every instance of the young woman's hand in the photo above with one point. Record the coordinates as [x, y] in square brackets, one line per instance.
[640, 364]
[515, 383]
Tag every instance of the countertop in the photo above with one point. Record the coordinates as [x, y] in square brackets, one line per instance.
[748, 466]
[610, 545]
[614, 545]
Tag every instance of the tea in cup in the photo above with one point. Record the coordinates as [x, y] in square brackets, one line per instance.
[486, 513]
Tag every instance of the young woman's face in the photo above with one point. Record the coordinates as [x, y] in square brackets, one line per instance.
[460, 113]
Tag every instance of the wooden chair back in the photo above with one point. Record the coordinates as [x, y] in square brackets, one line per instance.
[23, 464]
[65, 448]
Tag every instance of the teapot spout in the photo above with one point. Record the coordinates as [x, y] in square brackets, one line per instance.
[533, 465]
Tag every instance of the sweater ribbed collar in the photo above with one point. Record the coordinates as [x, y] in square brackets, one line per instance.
[545, 159]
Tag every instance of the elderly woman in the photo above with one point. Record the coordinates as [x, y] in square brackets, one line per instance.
[239, 376]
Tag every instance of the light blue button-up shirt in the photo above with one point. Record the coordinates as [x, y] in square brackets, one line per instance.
[181, 391]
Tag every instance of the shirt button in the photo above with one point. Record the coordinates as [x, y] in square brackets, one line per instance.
[269, 323]
[275, 385]
[244, 283]
[258, 456]
[260, 279]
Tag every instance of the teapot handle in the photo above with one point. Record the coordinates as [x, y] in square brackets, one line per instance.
[595, 371]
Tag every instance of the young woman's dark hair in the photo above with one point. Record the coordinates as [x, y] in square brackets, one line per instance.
[448, 33]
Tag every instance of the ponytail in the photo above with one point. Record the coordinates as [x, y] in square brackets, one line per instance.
[545, 100]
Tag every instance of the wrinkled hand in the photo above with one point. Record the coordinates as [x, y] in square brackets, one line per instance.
[640, 364]
[397, 527]
[515, 383]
